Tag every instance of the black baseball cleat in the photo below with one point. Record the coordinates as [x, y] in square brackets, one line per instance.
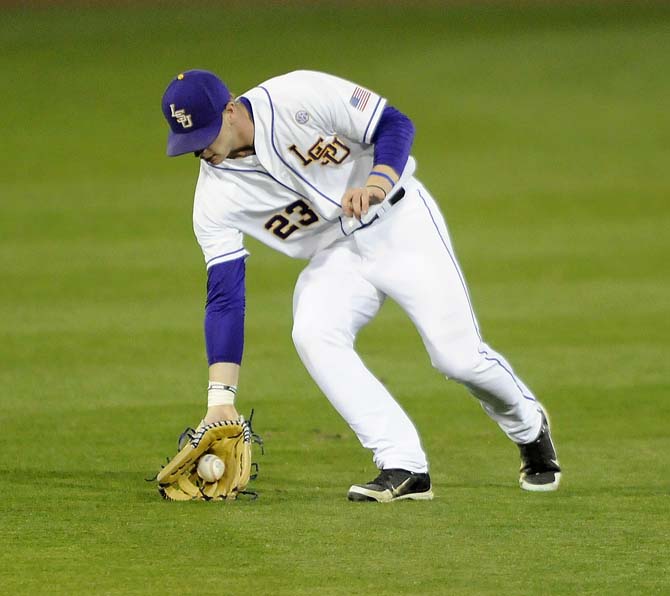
[539, 465]
[393, 485]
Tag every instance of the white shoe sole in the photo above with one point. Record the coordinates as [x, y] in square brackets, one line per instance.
[540, 488]
[387, 496]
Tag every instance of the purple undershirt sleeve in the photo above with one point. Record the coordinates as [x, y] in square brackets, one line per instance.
[393, 139]
[224, 312]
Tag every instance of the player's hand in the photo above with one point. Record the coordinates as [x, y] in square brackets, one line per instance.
[356, 201]
[216, 413]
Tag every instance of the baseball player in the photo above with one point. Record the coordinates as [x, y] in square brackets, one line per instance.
[319, 168]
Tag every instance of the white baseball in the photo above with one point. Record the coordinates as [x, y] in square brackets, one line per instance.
[211, 468]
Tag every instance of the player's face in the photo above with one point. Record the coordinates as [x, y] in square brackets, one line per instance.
[235, 138]
[221, 147]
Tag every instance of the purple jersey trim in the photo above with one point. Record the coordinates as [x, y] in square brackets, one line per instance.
[281, 158]
[374, 113]
[226, 254]
[251, 171]
[393, 139]
[224, 312]
[247, 104]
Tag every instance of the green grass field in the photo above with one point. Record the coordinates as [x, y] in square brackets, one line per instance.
[545, 134]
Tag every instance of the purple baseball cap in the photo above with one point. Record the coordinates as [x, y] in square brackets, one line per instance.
[193, 104]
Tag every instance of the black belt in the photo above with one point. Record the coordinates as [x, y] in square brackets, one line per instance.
[397, 196]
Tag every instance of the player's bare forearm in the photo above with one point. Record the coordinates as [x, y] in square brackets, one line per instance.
[356, 201]
[380, 175]
[227, 373]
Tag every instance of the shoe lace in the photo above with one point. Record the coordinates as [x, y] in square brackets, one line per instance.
[390, 478]
[382, 477]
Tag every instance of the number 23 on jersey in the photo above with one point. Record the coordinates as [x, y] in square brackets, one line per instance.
[297, 215]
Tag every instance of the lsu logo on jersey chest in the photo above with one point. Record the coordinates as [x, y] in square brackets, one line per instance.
[332, 152]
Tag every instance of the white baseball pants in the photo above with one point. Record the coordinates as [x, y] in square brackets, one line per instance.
[406, 255]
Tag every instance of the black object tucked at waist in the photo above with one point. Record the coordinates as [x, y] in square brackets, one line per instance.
[397, 196]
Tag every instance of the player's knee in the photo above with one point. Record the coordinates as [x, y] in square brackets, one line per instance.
[310, 334]
[462, 368]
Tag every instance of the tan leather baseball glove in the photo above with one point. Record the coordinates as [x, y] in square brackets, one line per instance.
[230, 440]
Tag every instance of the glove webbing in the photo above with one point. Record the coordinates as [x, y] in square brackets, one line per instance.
[198, 434]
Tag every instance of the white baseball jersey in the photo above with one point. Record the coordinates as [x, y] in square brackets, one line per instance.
[312, 140]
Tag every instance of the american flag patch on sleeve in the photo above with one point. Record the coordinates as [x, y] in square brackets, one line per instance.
[359, 98]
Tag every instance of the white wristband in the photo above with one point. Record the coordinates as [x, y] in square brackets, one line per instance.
[220, 394]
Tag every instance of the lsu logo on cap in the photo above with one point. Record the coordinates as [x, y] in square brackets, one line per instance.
[181, 116]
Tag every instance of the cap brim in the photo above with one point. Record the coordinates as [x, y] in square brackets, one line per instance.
[188, 142]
